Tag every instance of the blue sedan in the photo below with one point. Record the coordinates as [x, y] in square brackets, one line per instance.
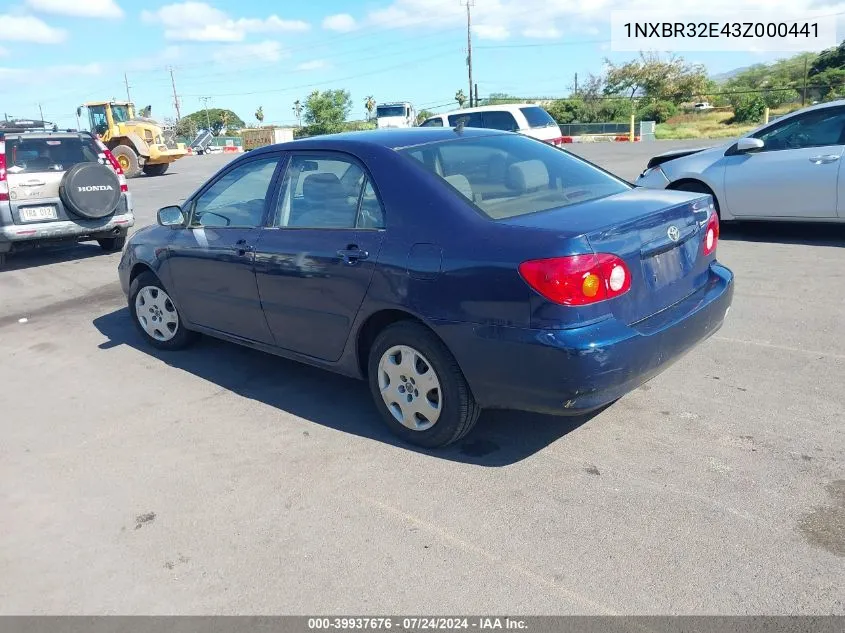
[454, 270]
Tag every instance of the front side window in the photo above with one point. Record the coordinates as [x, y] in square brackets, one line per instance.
[236, 199]
[325, 192]
[511, 175]
[120, 113]
[97, 119]
[814, 129]
[435, 122]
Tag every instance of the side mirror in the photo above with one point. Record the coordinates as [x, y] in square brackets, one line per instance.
[745, 145]
[171, 216]
[79, 111]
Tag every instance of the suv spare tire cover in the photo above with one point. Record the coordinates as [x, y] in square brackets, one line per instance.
[90, 190]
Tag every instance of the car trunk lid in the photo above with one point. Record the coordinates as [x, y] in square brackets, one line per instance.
[658, 234]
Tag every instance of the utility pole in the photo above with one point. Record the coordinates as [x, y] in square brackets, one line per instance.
[804, 91]
[176, 98]
[207, 117]
[126, 83]
[476, 95]
[576, 84]
[469, 3]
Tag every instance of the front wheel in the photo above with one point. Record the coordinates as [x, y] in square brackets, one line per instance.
[156, 170]
[418, 386]
[155, 315]
[127, 159]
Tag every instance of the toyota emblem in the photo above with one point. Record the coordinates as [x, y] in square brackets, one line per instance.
[674, 233]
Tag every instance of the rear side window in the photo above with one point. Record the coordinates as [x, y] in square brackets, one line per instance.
[500, 120]
[470, 119]
[537, 117]
[435, 122]
[28, 155]
[507, 175]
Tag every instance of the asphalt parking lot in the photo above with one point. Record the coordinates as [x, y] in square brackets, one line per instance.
[221, 480]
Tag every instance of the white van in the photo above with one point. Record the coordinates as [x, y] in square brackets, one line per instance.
[525, 118]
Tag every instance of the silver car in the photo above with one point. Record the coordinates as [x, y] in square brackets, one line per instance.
[789, 169]
[60, 186]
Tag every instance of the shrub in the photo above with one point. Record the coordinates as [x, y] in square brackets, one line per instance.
[659, 111]
[748, 108]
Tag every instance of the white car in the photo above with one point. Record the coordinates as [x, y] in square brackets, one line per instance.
[525, 118]
[786, 170]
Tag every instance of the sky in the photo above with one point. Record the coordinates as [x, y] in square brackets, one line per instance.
[56, 54]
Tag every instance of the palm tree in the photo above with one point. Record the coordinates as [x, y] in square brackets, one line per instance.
[259, 115]
[370, 104]
[461, 98]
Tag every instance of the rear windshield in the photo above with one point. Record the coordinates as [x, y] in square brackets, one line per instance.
[27, 155]
[506, 176]
[537, 117]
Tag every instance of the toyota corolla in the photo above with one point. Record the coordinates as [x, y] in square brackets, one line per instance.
[454, 270]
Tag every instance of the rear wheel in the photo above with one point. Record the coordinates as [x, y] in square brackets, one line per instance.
[156, 170]
[418, 387]
[127, 159]
[112, 244]
[155, 315]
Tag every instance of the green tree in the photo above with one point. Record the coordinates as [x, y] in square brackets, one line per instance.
[218, 118]
[324, 112]
[370, 105]
[186, 127]
[423, 115]
[498, 98]
[656, 79]
[461, 98]
[259, 115]
[748, 108]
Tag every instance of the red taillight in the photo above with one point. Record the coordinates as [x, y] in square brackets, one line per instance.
[121, 177]
[4, 183]
[711, 235]
[578, 280]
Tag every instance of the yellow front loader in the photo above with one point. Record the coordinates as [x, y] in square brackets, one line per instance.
[137, 142]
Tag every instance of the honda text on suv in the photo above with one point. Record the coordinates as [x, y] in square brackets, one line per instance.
[60, 186]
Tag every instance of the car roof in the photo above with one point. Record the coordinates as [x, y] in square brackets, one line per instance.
[502, 106]
[389, 138]
[38, 134]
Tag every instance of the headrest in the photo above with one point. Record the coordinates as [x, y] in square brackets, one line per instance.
[323, 186]
[460, 183]
[528, 175]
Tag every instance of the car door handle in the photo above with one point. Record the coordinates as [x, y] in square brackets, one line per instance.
[822, 160]
[352, 254]
[243, 247]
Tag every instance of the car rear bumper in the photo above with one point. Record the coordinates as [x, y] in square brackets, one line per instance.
[63, 230]
[575, 371]
[653, 178]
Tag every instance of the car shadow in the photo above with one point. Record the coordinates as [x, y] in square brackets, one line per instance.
[500, 438]
[52, 254]
[809, 234]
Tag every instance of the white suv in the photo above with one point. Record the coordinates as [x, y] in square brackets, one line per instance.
[60, 186]
[525, 118]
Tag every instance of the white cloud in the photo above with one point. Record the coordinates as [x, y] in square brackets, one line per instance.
[268, 51]
[200, 22]
[342, 22]
[4, 52]
[491, 31]
[78, 8]
[28, 28]
[25, 76]
[548, 33]
[314, 64]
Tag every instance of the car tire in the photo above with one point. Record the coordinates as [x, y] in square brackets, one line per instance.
[439, 416]
[156, 316]
[2, 259]
[128, 160]
[112, 244]
[695, 186]
[156, 170]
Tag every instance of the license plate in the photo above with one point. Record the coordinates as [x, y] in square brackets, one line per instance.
[664, 268]
[35, 214]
